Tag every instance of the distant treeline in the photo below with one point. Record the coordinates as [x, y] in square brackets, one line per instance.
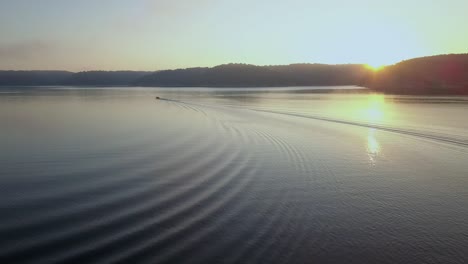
[443, 74]
[228, 75]
[243, 75]
[88, 78]
[33, 77]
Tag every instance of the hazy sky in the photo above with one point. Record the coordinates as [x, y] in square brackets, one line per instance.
[160, 34]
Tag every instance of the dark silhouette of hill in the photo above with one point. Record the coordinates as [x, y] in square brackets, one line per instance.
[33, 77]
[322, 74]
[441, 74]
[242, 75]
[105, 78]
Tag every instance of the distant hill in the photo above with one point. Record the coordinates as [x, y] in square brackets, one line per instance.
[442, 74]
[88, 78]
[33, 77]
[105, 78]
[322, 74]
[242, 75]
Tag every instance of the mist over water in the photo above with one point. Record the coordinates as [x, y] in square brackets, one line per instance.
[278, 175]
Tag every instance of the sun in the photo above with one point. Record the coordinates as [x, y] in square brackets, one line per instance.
[375, 67]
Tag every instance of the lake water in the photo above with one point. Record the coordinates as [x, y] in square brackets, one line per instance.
[280, 175]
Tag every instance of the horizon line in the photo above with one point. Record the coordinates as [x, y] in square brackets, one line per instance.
[229, 63]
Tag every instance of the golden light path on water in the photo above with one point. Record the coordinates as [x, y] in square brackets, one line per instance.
[374, 113]
[368, 110]
[373, 146]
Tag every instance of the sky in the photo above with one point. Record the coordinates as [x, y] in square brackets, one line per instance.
[166, 34]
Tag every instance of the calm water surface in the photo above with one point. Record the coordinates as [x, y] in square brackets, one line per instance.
[292, 175]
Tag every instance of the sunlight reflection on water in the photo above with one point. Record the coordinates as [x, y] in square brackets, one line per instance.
[375, 108]
[373, 146]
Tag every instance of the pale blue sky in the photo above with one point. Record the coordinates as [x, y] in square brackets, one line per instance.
[160, 34]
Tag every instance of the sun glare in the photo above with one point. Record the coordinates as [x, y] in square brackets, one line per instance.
[375, 67]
